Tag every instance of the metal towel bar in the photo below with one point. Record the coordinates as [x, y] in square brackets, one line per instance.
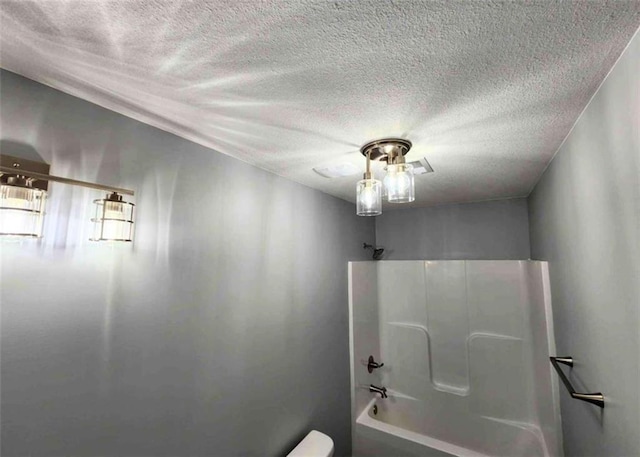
[595, 398]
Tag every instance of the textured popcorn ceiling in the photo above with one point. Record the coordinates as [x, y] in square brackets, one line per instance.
[485, 90]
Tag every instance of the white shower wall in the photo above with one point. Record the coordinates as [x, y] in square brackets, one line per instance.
[472, 336]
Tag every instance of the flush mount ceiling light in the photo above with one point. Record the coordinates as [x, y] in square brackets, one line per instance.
[398, 182]
[23, 190]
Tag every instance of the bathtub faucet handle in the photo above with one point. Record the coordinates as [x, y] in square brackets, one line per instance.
[379, 390]
[372, 365]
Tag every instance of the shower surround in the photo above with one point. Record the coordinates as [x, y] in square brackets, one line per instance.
[465, 347]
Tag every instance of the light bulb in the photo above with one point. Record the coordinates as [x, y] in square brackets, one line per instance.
[402, 182]
[113, 210]
[399, 183]
[389, 183]
[369, 197]
[113, 229]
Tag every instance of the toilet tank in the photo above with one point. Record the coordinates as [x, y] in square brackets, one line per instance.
[315, 444]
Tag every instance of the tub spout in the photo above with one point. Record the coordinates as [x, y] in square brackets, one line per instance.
[379, 390]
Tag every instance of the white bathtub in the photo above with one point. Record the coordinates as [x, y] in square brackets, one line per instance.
[401, 427]
[465, 347]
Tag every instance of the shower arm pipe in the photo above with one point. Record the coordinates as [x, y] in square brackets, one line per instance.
[60, 179]
[595, 398]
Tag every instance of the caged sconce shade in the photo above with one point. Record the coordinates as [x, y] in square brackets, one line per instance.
[113, 219]
[23, 191]
[21, 208]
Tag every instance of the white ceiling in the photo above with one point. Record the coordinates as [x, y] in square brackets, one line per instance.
[485, 90]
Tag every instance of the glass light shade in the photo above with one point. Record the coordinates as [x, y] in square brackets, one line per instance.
[113, 219]
[369, 197]
[399, 184]
[21, 211]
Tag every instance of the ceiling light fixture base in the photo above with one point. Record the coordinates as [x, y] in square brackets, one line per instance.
[384, 148]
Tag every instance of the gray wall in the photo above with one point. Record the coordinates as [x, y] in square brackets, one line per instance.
[222, 331]
[585, 220]
[493, 230]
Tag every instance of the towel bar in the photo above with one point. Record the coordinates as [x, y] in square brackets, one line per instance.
[594, 398]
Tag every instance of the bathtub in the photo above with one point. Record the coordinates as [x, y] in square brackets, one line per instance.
[465, 349]
[403, 427]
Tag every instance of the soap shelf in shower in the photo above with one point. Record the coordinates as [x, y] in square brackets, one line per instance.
[594, 398]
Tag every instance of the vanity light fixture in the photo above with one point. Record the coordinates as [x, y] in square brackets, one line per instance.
[399, 183]
[23, 190]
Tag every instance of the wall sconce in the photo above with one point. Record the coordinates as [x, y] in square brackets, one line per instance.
[114, 219]
[399, 186]
[21, 207]
[23, 186]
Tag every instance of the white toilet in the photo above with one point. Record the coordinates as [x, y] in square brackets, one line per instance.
[315, 444]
